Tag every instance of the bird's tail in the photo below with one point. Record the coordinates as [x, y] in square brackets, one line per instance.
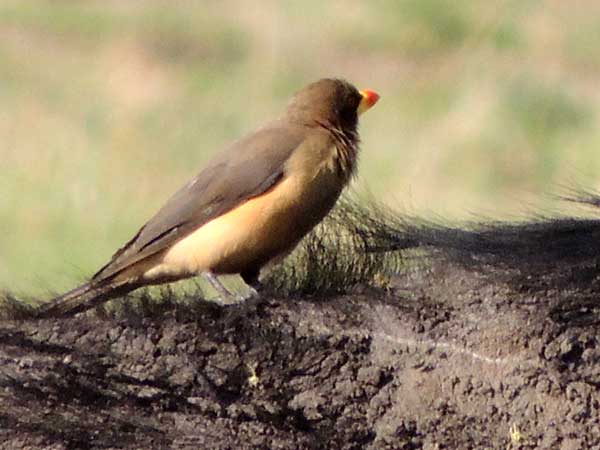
[82, 298]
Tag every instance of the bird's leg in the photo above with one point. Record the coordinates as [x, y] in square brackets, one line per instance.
[225, 297]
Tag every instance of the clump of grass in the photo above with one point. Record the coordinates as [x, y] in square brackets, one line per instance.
[155, 302]
[14, 308]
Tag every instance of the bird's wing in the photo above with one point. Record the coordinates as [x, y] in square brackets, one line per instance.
[246, 169]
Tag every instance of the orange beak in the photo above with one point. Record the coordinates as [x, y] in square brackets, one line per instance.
[369, 98]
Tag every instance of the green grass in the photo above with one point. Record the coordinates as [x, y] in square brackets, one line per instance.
[107, 108]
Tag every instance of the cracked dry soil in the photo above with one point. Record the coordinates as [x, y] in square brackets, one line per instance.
[445, 360]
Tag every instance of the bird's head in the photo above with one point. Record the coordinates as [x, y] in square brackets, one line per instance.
[331, 101]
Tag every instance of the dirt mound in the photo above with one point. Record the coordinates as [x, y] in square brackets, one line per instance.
[444, 359]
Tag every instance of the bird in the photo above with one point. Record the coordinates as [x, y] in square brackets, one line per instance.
[247, 209]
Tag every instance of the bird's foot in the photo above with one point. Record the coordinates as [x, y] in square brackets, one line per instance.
[226, 301]
[250, 295]
[225, 297]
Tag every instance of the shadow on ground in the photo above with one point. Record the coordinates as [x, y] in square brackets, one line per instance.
[443, 359]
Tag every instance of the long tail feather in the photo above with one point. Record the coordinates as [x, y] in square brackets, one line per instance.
[81, 299]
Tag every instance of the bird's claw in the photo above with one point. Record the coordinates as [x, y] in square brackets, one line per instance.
[237, 299]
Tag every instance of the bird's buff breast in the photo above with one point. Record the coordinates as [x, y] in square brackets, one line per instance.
[260, 229]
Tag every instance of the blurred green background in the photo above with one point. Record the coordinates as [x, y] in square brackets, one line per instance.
[106, 107]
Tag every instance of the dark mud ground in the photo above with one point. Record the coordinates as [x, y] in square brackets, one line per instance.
[444, 359]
